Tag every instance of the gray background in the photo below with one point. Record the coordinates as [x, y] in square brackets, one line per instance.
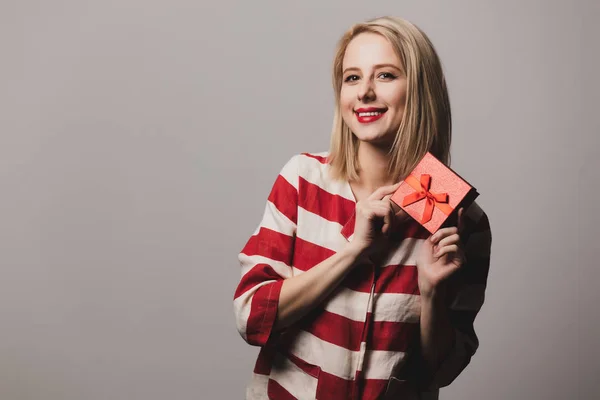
[139, 140]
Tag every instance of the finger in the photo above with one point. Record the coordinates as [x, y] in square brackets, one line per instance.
[449, 270]
[387, 199]
[446, 250]
[401, 215]
[384, 190]
[380, 208]
[398, 211]
[382, 212]
[375, 212]
[449, 240]
[442, 233]
[379, 217]
[395, 207]
[389, 221]
[372, 211]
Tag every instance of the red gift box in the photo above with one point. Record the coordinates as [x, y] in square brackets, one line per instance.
[432, 193]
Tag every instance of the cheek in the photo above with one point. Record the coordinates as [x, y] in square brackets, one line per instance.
[400, 97]
[396, 98]
[346, 103]
[402, 100]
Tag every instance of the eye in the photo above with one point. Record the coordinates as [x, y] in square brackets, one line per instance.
[351, 78]
[387, 75]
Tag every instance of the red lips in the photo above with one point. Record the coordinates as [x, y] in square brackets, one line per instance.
[370, 118]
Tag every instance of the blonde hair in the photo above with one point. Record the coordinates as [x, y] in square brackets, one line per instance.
[426, 124]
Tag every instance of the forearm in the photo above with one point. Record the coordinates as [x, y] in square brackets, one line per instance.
[437, 333]
[301, 293]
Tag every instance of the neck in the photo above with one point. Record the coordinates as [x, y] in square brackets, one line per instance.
[373, 163]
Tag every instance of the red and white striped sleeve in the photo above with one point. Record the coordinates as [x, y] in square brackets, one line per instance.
[468, 297]
[266, 259]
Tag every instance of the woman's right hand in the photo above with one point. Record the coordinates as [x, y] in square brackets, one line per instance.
[375, 218]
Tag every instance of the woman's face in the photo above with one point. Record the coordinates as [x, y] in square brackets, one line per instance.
[373, 92]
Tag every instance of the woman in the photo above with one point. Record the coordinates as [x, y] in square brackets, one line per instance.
[346, 295]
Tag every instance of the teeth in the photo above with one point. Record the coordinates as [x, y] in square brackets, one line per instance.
[369, 114]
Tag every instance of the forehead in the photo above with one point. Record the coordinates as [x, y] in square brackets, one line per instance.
[368, 49]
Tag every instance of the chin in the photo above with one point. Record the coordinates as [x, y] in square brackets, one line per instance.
[373, 137]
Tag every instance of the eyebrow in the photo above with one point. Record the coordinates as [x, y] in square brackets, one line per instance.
[376, 67]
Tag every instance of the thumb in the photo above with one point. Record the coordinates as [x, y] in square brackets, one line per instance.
[384, 191]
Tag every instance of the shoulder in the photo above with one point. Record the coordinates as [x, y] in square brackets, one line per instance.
[308, 165]
[310, 160]
[309, 172]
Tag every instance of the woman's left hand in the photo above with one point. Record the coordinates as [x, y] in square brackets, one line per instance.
[440, 256]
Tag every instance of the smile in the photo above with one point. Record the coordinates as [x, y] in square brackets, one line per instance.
[366, 116]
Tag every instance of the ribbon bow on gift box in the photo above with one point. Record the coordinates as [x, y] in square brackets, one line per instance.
[439, 200]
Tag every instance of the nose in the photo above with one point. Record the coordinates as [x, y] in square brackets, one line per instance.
[366, 91]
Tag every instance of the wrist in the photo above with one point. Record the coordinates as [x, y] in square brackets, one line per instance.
[355, 250]
[434, 297]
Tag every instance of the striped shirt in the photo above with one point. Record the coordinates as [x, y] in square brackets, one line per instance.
[355, 343]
